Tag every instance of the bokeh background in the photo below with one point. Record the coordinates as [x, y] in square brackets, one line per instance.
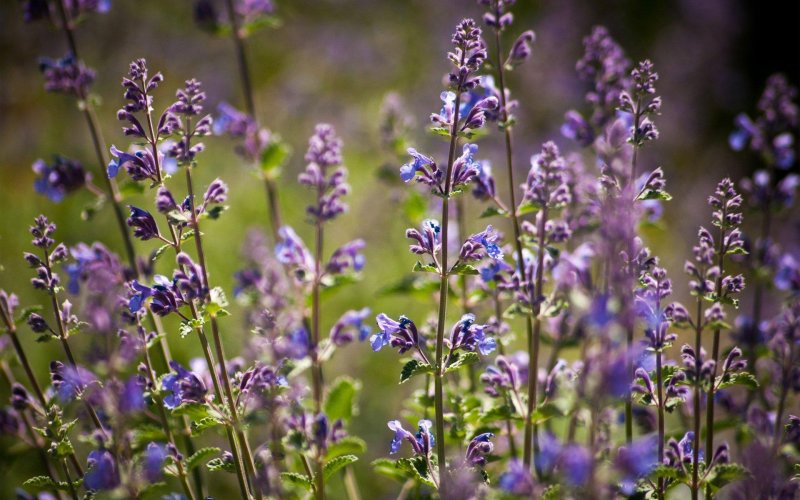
[335, 61]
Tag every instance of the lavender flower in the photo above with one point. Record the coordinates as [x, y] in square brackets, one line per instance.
[184, 387]
[350, 326]
[324, 153]
[402, 334]
[143, 224]
[292, 252]
[102, 473]
[479, 447]
[421, 443]
[67, 76]
[470, 336]
[63, 177]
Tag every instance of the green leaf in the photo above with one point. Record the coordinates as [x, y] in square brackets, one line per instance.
[493, 212]
[200, 456]
[498, 413]
[654, 194]
[517, 310]
[25, 313]
[347, 445]
[295, 479]
[217, 464]
[215, 212]
[198, 426]
[218, 302]
[341, 400]
[185, 329]
[333, 465]
[419, 267]
[40, 482]
[188, 234]
[736, 251]
[440, 131]
[461, 359]
[742, 378]
[415, 206]
[417, 468]
[664, 472]
[274, 157]
[388, 468]
[145, 433]
[414, 367]
[462, 268]
[64, 448]
[723, 474]
[153, 490]
[527, 208]
[195, 411]
[552, 492]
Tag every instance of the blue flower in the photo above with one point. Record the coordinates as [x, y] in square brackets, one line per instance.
[185, 387]
[402, 333]
[102, 473]
[56, 181]
[350, 323]
[575, 464]
[478, 448]
[419, 161]
[143, 224]
[517, 480]
[488, 240]
[153, 462]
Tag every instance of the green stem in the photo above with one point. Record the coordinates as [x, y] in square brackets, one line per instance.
[532, 335]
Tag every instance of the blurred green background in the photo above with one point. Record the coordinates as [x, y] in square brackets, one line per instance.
[335, 61]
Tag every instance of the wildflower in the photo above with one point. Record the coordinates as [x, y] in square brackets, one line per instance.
[350, 325]
[102, 473]
[184, 386]
[478, 449]
[421, 443]
[402, 334]
[67, 76]
[63, 177]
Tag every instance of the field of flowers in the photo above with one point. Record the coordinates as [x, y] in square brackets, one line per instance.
[359, 249]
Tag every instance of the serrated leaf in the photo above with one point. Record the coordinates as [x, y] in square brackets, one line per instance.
[40, 482]
[25, 313]
[295, 479]
[188, 234]
[440, 131]
[200, 456]
[347, 445]
[194, 411]
[417, 468]
[336, 464]
[498, 413]
[152, 490]
[146, 433]
[552, 492]
[419, 267]
[517, 310]
[412, 368]
[664, 472]
[723, 474]
[465, 269]
[742, 378]
[341, 400]
[461, 359]
[736, 251]
[654, 194]
[493, 212]
[217, 464]
[198, 426]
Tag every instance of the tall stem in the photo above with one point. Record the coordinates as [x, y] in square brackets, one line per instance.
[695, 487]
[244, 446]
[250, 105]
[715, 348]
[438, 392]
[316, 366]
[532, 336]
[661, 434]
[162, 414]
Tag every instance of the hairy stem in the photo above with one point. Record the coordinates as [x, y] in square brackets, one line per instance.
[695, 486]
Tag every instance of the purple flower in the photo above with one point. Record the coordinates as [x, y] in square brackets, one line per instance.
[465, 167]
[787, 274]
[350, 325]
[67, 76]
[636, 461]
[96, 267]
[422, 169]
[521, 50]
[189, 105]
[421, 443]
[547, 181]
[469, 336]
[140, 165]
[102, 473]
[469, 53]
[517, 480]
[478, 448]
[184, 386]
[143, 224]
[153, 462]
[500, 378]
[70, 382]
[348, 256]
[575, 464]
[428, 241]
[251, 10]
[402, 334]
[292, 252]
[254, 140]
[605, 68]
[131, 395]
[56, 181]
[487, 239]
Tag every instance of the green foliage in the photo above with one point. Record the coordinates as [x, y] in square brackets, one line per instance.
[348, 445]
[332, 466]
[200, 456]
[341, 400]
[414, 367]
[297, 480]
